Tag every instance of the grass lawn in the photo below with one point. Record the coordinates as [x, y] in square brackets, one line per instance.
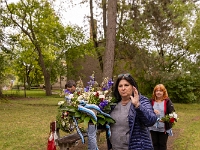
[25, 122]
[188, 127]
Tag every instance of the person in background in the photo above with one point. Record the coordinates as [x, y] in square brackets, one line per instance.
[70, 86]
[133, 115]
[162, 105]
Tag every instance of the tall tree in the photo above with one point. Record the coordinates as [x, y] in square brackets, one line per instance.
[160, 26]
[33, 18]
[93, 25]
[110, 39]
[2, 57]
[37, 21]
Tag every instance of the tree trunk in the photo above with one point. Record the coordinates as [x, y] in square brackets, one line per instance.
[94, 35]
[110, 39]
[1, 94]
[104, 17]
[45, 72]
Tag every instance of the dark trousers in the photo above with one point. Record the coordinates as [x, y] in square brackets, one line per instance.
[159, 140]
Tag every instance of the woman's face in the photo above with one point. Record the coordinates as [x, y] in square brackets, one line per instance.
[159, 93]
[125, 88]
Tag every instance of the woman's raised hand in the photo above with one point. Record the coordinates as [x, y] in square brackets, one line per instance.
[135, 99]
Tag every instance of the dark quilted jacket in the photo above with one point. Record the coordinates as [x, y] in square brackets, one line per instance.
[139, 121]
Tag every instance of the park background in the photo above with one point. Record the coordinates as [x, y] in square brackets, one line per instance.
[155, 41]
[25, 123]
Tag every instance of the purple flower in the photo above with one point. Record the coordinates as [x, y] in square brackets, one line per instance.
[108, 85]
[86, 89]
[103, 104]
[92, 78]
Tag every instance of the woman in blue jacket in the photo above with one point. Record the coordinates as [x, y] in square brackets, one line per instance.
[133, 115]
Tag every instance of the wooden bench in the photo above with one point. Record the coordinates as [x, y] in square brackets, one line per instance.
[71, 140]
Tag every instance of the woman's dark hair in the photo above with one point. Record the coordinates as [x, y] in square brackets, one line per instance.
[129, 79]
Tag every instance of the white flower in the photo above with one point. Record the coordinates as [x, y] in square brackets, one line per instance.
[102, 96]
[63, 123]
[106, 91]
[100, 92]
[71, 96]
[86, 95]
[60, 103]
[80, 98]
[109, 98]
[175, 115]
[171, 115]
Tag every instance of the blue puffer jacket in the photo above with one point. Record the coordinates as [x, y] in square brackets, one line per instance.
[139, 120]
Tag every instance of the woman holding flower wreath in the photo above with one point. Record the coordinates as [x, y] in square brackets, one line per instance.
[133, 115]
[162, 106]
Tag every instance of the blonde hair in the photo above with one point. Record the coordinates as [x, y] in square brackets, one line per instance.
[162, 88]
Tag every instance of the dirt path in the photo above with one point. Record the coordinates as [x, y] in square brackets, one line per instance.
[171, 139]
[102, 145]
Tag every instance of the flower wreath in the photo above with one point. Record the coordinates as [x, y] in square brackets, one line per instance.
[87, 104]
